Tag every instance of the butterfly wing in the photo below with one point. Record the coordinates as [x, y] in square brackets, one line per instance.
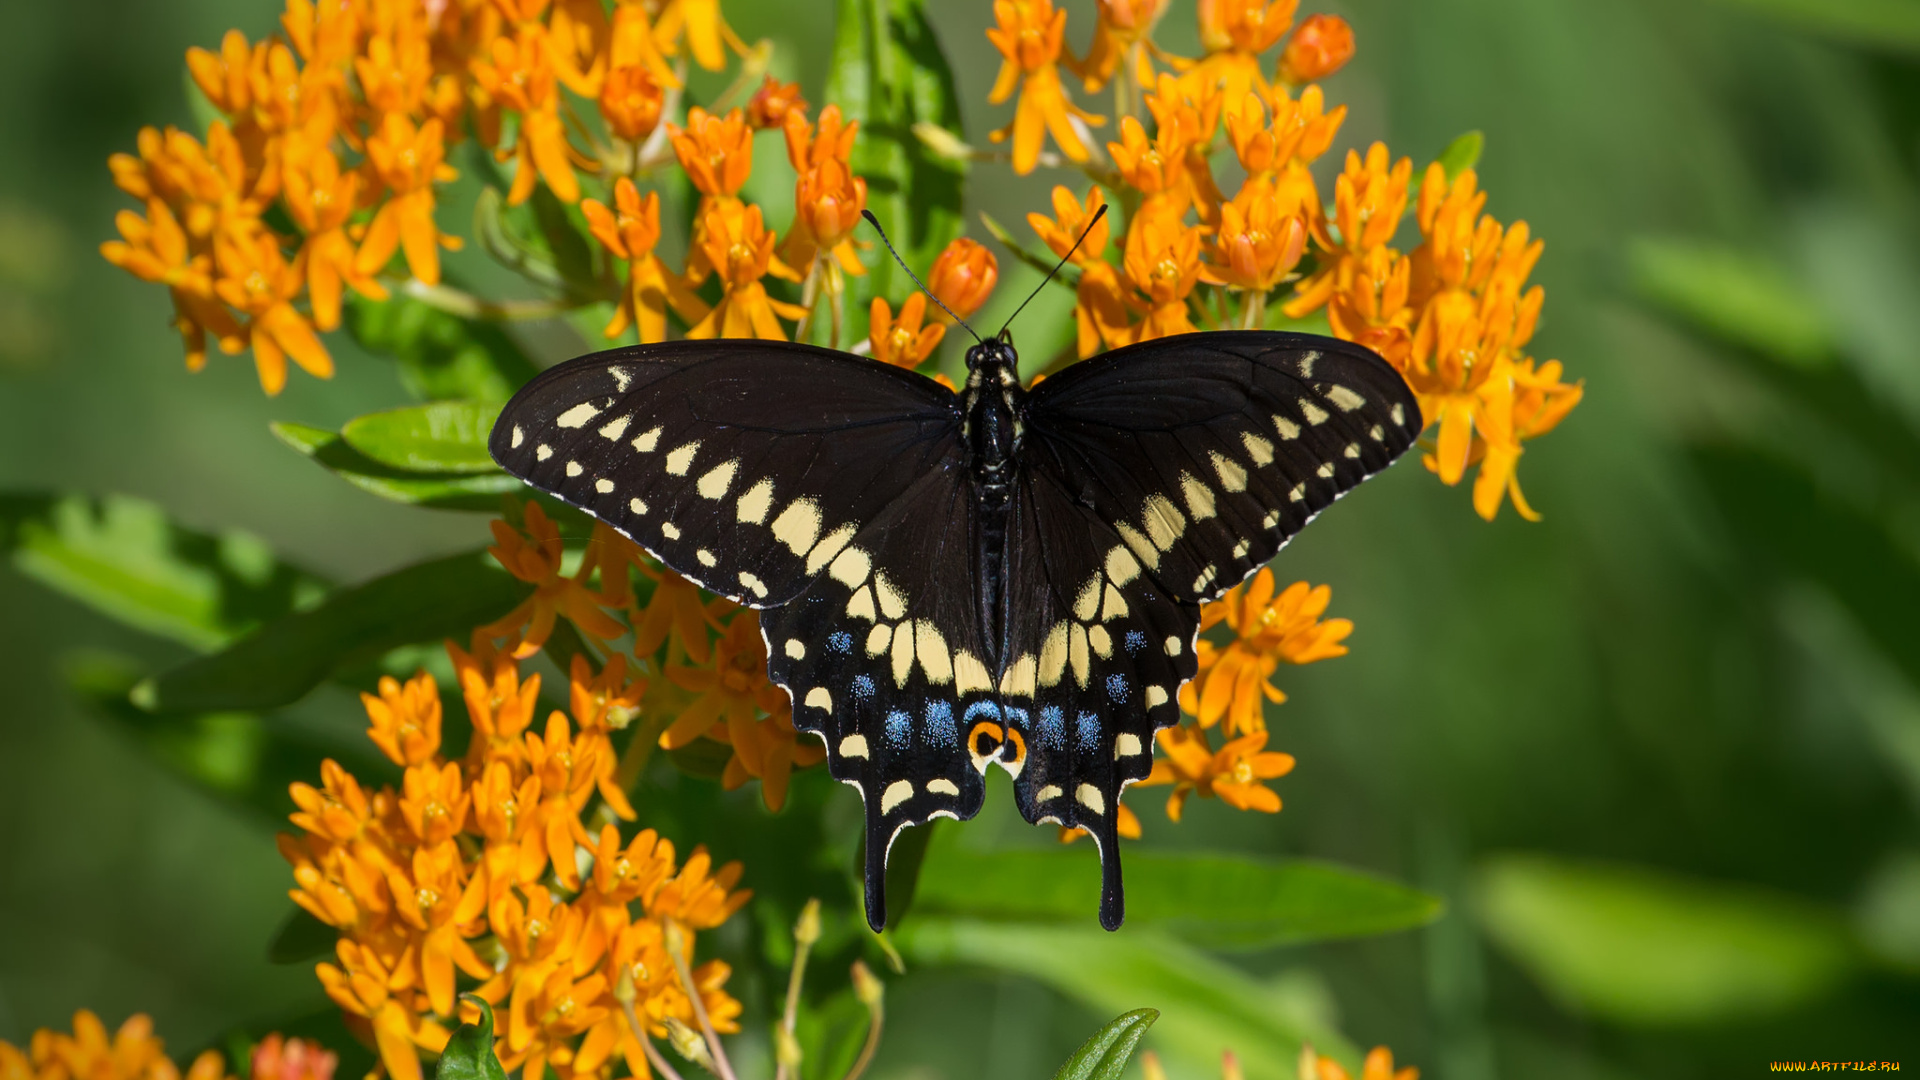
[1154, 479]
[826, 487]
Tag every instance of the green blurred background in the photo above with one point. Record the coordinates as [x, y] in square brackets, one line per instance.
[1660, 753]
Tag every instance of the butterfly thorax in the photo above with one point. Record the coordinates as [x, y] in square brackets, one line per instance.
[991, 405]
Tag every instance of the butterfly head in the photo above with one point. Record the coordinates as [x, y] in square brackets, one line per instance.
[994, 360]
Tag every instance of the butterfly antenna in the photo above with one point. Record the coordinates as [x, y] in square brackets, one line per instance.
[875, 222]
[1097, 215]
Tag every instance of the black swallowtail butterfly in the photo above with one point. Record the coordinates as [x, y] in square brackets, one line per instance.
[949, 580]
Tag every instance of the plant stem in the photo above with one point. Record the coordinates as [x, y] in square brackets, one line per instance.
[654, 1056]
[468, 306]
[677, 948]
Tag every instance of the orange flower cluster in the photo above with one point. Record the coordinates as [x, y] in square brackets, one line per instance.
[1454, 316]
[90, 1053]
[713, 689]
[483, 866]
[1312, 1066]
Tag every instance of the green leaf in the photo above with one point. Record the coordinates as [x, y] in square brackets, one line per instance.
[285, 659]
[438, 437]
[125, 559]
[1877, 24]
[469, 1053]
[889, 73]
[440, 355]
[1738, 297]
[437, 490]
[301, 937]
[1462, 153]
[564, 229]
[1634, 946]
[1219, 901]
[1205, 1004]
[1104, 1056]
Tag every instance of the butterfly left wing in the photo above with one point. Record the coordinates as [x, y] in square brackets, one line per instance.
[1155, 478]
[824, 487]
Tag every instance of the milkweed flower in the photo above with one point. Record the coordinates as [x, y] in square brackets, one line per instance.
[827, 197]
[1268, 630]
[1121, 38]
[903, 342]
[256, 279]
[534, 556]
[1377, 1066]
[408, 161]
[1100, 307]
[1320, 46]
[321, 199]
[1030, 35]
[963, 276]
[132, 1052]
[739, 247]
[278, 1058]
[1163, 265]
[1235, 33]
[405, 718]
[1235, 774]
[773, 103]
[629, 231]
[518, 72]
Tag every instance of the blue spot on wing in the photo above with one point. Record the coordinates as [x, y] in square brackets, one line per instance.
[1087, 731]
[940, 729]
[1135, 641]
[862, 687]
[981, 710]
[1052, 729]
[840, 642]
[1117, 687]
[899, 729]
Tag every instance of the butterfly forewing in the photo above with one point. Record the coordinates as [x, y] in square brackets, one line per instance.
[1206, 452]
[743, 465]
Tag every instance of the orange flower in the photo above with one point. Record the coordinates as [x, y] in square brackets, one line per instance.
[675, 610]
[278, 1058]
[568, 769]
[499, 703]
[623, 876]
[1235, 33]
[1300, 131]
[1369, 303]
[1319, 47]
[1100, 308]
[903, 343]
[1370, 198]
[131, 1053]
[698, 897]
[320, 199]
[706, 32]
[740, 248]
[359, 985]
[1121, 36]
[407, 161]
[773, 103]
[631, 100]
[732, 689]
[1268, 630]
[507, 816]
[434, 803]
[827, 197]
[1163, 264]
[534, 556]
[406, 719]
[338, 810]
[213, 187]
[631, 234]
[396, 67]
[1378, 1066]
[716, 152]
[256, 279]
[1029, 36]
[1234, 774]
[438, 909]
[155, 248]
[963, 276]
[1261, 237]
[518, 73]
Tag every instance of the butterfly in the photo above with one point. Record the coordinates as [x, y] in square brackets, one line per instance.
[952, 580]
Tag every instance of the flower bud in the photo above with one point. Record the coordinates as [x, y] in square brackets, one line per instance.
[786, 1049]
[963, 276]
[772, 102]
[806, 930]
[1320, 46]
[688, 1044]
[631, 101]
[870, 990]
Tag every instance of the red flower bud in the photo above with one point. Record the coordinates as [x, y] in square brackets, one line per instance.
[1319, 47]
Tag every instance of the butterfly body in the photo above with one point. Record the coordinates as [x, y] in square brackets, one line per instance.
[952, 580]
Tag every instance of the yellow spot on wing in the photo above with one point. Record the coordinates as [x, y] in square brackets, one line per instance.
[798, 526]
[897, 792]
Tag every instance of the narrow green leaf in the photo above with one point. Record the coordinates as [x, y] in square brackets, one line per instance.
[440, 491]
[301, 938]
[1205, 1005]
[1738, 297]
[1462, 153]
[1105, 1055]
[1640, 947]
[469, 1053]
[124, 558]
[285, 659]
[440, 355]
[889, 73]
[1876, 24]
[438, 437]
[1219, 901]
[1068, 275]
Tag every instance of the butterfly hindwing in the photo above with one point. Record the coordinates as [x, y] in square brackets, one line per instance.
[883, 658]
[1207, 452]
[1097, 651]
[743, 465]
